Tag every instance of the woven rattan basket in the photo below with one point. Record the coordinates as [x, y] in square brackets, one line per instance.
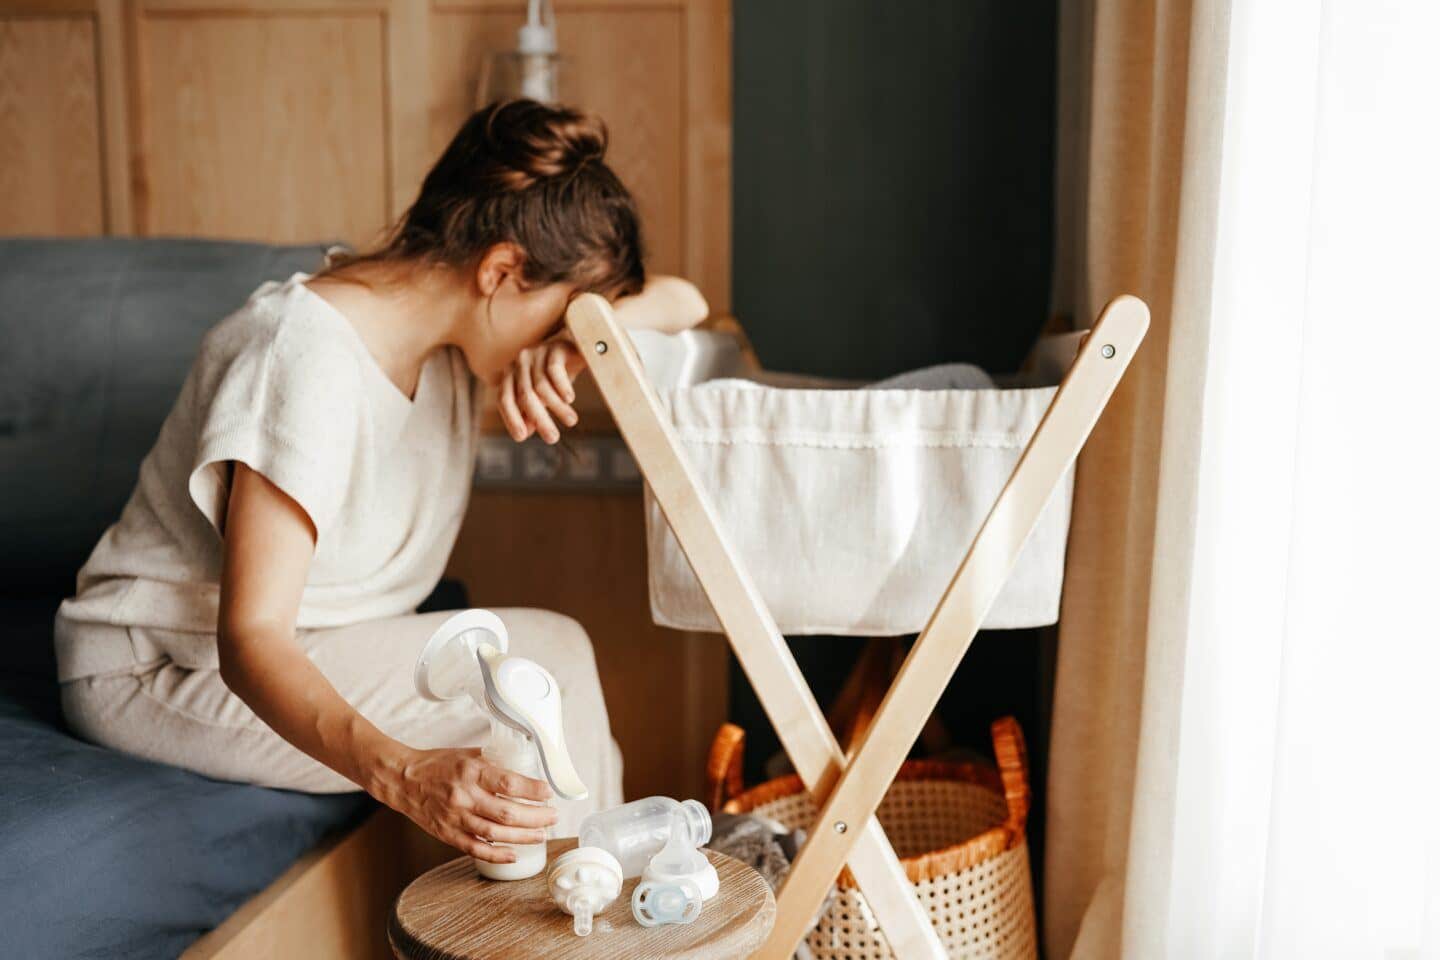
[959, 829]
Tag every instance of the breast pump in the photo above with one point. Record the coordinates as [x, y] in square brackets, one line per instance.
[655, 839]
[468, 655]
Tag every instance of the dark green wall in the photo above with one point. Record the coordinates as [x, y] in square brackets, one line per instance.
[893, 209]
[893, 181]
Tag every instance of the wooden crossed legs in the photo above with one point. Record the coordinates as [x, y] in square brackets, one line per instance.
[846, 831]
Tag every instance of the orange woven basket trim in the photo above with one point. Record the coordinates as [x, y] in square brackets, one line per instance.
[976, 773]
[722, 766]
[766, 792]
[961, 856]
[791, 783]
[1010, 757]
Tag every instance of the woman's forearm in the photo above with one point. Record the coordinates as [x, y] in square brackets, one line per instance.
[275, 678]
[670, 304]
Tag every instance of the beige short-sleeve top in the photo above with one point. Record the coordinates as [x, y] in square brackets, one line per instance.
[286, 386]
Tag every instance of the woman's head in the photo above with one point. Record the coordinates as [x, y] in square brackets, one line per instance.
[522, 205]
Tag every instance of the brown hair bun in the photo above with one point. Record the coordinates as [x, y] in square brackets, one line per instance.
[523, 172]
[535, 142]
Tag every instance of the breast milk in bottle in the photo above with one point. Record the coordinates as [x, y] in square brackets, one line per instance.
[514, 751]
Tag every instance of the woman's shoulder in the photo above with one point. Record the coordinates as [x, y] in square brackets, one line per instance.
[281, 332]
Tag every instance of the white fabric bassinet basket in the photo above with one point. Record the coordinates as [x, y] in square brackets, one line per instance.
[850, 508]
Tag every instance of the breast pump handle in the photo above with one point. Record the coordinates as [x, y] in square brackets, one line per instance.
[468, 655]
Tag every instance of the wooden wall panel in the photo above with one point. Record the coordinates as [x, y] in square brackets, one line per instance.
[263, 127]
[708, 127]
[307, 120]
[625, 65]
[50, 160]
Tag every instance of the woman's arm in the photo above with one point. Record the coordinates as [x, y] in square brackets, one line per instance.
[669, 304]
[450, 793]
[537, 390]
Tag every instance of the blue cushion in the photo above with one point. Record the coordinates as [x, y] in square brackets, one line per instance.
[101, 854]
[104, 855]
[98, 335]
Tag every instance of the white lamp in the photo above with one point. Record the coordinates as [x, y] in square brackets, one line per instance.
[532, 70]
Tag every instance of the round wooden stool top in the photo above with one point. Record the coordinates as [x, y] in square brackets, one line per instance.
[452, 913]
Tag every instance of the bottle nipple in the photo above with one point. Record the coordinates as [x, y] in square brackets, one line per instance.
[680, 864]
[679, 854]
[584, 915]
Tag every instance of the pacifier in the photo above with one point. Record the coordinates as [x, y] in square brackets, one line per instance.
[467, 654]
[583, 882]
[656, 903]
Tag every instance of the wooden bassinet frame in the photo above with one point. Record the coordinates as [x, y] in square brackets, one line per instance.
[848, 791]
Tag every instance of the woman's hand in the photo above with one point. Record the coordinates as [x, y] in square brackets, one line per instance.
[455, 796]
[538, 388]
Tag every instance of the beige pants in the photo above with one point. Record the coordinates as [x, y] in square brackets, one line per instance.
[162, 698]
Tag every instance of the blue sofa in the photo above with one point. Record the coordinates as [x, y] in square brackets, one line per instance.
[101, 854]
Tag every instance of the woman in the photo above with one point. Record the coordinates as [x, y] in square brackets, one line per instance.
[250, 616]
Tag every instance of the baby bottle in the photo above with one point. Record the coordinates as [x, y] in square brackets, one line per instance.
[636, 831]
[514, 751]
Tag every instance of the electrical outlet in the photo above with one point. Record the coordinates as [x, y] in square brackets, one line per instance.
[495, 462]
[585, 465]
[595, 461]
[541, 463]
[623, 465]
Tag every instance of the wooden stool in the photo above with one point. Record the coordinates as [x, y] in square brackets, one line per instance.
[451, 913]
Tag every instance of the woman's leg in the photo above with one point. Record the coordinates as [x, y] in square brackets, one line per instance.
[189, 718]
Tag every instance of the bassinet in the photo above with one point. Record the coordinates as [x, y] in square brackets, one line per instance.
[814, 491]
[849, 506]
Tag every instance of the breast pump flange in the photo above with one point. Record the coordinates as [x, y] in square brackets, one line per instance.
[469, 654]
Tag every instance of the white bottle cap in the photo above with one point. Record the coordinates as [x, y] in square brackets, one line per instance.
[583, 882]
[701, 873]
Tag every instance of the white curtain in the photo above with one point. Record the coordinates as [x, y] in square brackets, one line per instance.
[1308, 776]
[1283, 799]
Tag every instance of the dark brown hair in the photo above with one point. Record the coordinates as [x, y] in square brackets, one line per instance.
[532, 175]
